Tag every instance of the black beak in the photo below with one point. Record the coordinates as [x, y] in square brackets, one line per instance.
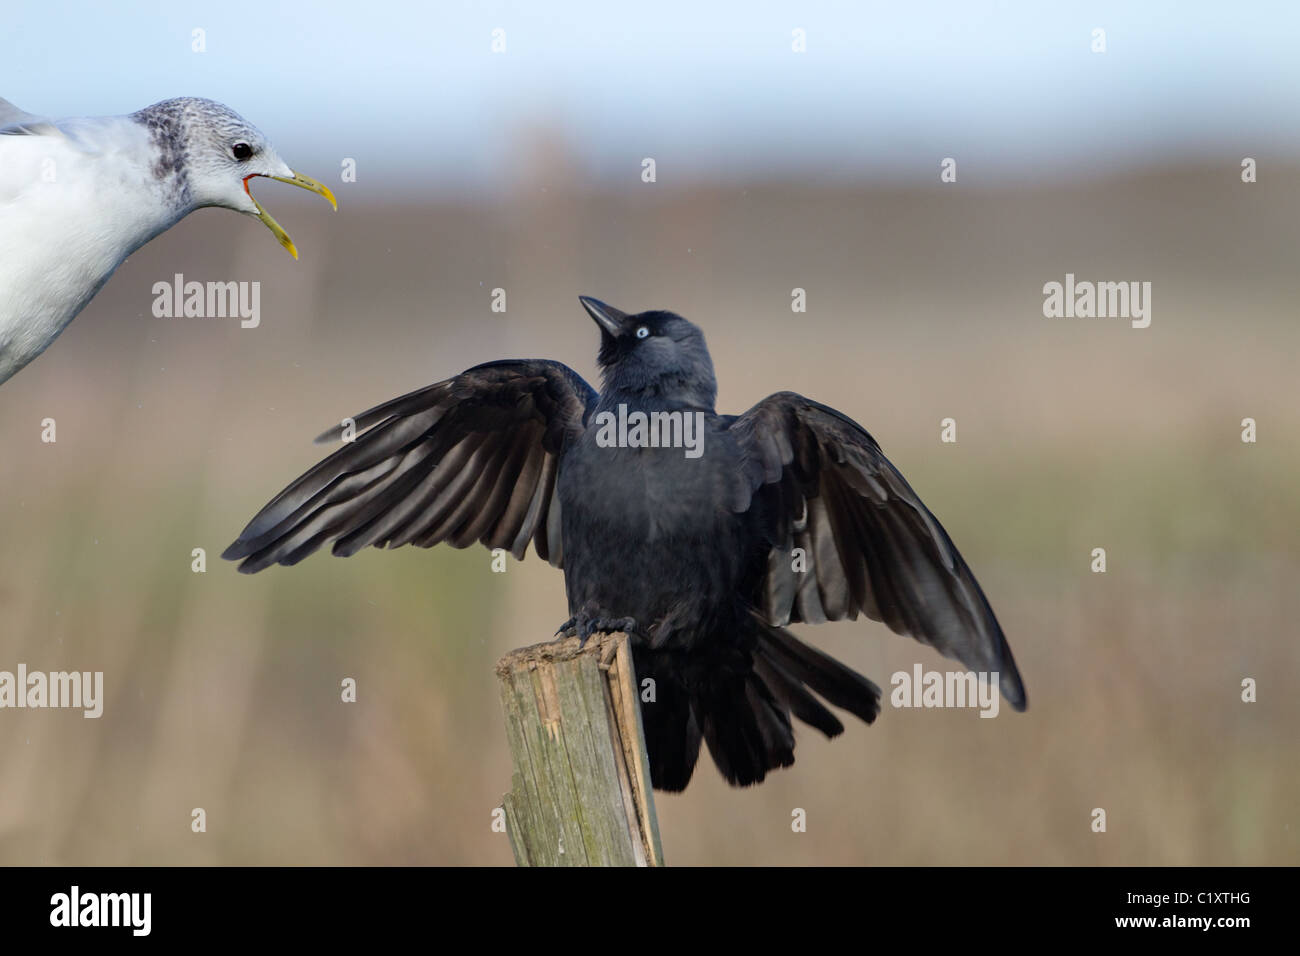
[607, 317]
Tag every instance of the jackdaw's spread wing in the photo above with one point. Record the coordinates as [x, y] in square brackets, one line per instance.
[870, 546]
[470, 459]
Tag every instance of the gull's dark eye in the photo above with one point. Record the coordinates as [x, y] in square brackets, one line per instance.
[642, 332]
[241, 151]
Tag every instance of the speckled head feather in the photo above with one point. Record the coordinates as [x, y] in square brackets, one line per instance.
[195, 140]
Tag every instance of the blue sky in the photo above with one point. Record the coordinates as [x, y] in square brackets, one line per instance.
[414, 93]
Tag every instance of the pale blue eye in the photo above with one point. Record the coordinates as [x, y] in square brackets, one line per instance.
[642, 332]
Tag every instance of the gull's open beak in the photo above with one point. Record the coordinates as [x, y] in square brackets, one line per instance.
[297, 179]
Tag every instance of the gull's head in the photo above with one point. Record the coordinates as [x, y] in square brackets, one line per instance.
[210, 155]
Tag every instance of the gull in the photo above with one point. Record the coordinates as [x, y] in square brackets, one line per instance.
[77, 196]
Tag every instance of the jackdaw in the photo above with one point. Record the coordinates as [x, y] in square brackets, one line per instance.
[701, 535]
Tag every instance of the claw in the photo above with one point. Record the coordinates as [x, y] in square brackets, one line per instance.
[584, 624]
[629, 626]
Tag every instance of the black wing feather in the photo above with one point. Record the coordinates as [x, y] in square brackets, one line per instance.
[871, 545]
[472, 458]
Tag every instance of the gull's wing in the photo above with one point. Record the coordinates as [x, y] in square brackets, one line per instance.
[870, 545]
[21, 157]
[473, 458]
[12, 114]
[16, 122]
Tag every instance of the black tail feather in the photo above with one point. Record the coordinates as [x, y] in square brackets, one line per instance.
[672, 735]
[740, 702]
[840, 685]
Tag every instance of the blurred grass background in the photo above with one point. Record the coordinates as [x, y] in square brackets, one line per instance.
[222, 691]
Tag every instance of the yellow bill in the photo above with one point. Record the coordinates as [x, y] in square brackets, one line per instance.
[297, 179]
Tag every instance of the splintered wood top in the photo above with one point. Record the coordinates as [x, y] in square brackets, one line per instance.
[601, 646]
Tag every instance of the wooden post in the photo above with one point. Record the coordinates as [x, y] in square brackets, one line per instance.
[580, 791]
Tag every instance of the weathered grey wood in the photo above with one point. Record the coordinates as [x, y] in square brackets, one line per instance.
[580, 790]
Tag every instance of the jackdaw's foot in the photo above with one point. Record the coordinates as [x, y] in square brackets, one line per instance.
[585, 623]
